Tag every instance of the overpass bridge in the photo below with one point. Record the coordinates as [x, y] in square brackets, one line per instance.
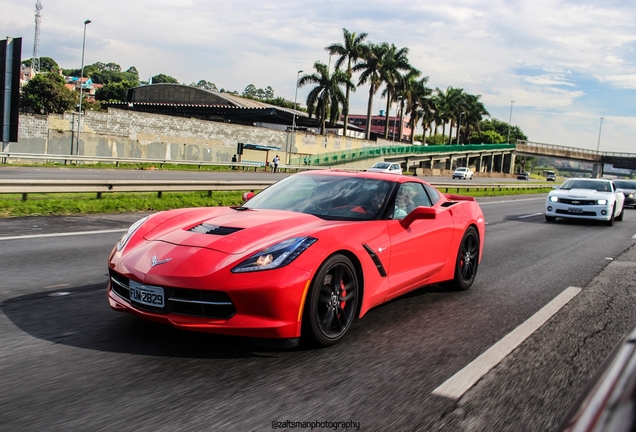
[484, 157]
[617, 160]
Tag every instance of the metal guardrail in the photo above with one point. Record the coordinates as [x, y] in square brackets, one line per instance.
[25, 187]
[68, 159]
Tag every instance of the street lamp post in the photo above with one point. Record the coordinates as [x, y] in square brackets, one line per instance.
[510, 122]
[599, 134]
[79, 118]
[294, 115]
[459, 126]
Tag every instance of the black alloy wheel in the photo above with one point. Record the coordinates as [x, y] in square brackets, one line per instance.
[467, 261]
[333, 301]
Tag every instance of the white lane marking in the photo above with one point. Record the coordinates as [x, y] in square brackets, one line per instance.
[463, 380]
[634, 236]
[530, 215]
[509, 201]
[63, 234]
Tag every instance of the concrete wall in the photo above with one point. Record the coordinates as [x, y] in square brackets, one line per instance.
[122, 133]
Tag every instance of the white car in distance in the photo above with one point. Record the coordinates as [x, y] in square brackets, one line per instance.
[579, 198]
[386, 167]
[463, 173]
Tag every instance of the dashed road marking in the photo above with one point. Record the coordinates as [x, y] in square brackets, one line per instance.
[32, 236]
[463, 380]
[530, 215]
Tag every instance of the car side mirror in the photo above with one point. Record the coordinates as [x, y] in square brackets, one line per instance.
[248, 196]
[418, 213]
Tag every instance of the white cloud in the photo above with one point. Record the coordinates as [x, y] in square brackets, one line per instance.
[549, 56]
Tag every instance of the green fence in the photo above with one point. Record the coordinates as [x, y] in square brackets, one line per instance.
[347, 156]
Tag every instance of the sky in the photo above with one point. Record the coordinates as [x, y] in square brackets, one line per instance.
[565, 64]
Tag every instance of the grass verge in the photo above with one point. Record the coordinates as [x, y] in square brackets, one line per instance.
[11, 205]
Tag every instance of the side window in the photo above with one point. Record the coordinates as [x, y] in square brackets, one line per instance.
[409, 196]
[432, 193]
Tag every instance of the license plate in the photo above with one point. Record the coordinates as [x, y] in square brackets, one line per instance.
[575, 210]
[146, 294]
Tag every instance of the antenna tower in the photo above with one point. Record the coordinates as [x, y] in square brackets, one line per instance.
[35, 60]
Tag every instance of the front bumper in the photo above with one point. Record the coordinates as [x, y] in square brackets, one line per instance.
[264, 304]
[591, 212]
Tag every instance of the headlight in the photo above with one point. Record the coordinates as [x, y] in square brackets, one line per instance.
[275, 256]
[631, 196]
[602, 202]
[554, 199]
[122, 241]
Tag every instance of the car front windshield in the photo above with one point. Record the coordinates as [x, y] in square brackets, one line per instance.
[625, 184]
[327, 197]
[601, 186]
[381, 165]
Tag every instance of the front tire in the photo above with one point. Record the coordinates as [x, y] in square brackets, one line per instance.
[611, 221]
[332, 302]
[550, 218]
[467, 261]
[620, 215]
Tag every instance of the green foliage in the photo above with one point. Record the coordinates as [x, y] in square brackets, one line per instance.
[437, 139]
[47, 64]
[205, 85]
[486, 137]
[251, 92]
[113, 92]
[164, 79]
[501, 128]
[46, 94]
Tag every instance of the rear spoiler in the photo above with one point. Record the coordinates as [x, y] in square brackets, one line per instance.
[459, 197]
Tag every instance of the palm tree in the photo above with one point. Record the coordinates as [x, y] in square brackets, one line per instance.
[419, 106]
[404, 92]
[351, 51]
[371, 67]
[326, 97]
[475, 111]
[394, 62]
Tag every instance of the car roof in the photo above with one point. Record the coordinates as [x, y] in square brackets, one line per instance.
[364, 174]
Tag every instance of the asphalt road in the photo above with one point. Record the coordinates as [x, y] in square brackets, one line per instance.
[67, 362]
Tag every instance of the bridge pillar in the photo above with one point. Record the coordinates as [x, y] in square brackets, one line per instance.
[449, 163]
[501, 162]
[597, 170]
[511, 165]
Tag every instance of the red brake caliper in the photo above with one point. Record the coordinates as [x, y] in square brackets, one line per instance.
[343, 293]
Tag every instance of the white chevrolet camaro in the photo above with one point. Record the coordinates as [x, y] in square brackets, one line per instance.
[578, 198]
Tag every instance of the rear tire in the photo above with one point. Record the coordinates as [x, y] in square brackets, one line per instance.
[467, 261]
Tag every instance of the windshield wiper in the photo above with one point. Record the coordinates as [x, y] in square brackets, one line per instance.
[240, 208]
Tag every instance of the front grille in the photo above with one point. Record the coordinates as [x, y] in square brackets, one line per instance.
[585, 213]
[577, 201]
[184, 301]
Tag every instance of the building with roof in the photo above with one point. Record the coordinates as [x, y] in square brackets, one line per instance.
[194, 102]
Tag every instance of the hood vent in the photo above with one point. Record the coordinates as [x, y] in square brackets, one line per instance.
[214, 229]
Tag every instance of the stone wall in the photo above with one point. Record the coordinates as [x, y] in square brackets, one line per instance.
[122, 133]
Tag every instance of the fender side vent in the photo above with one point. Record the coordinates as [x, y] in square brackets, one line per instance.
[376, 260]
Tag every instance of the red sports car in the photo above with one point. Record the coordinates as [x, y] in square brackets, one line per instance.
[303, 258]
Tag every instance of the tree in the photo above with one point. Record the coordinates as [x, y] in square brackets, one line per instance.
[46, 94]
[370, 69]
[502, 129]
[326, 97]
[165, 79]
[47, 64]
[419, 106]
[350, 52]
[205, 85]
[112, 92]
[395, 61]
